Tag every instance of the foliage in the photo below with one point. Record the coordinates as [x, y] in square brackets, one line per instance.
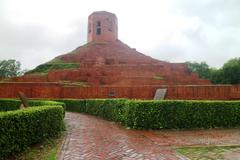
[157, 77]
[231, 71]
[45, 68]
[210, 152]
[14, 104]
[10, 68]
[216, 76]
[45, 150]
[74, 105]
[111, 109]
[201, 68]
[34, 103]
[183, 114]
[228, 74]
[9, 104]
[21, 128]
[161, 114]
[70, 83]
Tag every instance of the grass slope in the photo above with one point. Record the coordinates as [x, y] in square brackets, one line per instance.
[55, 64]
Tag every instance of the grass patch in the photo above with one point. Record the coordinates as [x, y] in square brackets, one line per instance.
[46, 150]
[158, 77]
[207, 153]
[45, 68]
[80, 84]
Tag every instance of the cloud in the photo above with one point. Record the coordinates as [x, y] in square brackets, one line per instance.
[214, 38]
[34, 32]
[33, 44]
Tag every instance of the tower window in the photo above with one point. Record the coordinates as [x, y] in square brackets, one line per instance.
[98, 31]
[98, 28]
[98, 23]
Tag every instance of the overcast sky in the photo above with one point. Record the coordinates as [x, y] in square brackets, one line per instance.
[35, 31]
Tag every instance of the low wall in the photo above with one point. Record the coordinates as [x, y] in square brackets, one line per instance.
[55, 91]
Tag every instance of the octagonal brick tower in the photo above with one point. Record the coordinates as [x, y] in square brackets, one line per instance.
[102, 26]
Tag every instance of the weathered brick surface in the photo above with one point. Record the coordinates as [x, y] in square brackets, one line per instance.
[91, 138]
[134, 75]
[108, 25]
[57, 90]
[114, 63]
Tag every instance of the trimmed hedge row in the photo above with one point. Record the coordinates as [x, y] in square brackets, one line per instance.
[9, 104]
[169, 114]
[34, 103]
[21, 128]
[14, 104]
[110, 109]
[183, 114]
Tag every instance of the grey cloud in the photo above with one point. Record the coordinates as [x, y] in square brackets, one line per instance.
[217, 38]
[215, 12]
[33, 44]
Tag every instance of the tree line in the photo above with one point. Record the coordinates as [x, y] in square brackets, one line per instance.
[10, 68]
[229, 73]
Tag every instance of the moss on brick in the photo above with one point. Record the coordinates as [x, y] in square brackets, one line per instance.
[55, 64]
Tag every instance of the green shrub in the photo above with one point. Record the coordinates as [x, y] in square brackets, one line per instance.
[14, 104]
[9, 104]
[183, 114]
[169, 114]
[111, 109]
[34, 103]
[21, 128]
[74, 105]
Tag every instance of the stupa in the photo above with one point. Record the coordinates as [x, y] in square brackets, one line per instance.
[105, 67]
[106, 61]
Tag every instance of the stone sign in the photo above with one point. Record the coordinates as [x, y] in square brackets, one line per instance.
[160, 94]
[23, 99]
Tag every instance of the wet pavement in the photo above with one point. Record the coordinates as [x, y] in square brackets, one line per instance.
[92, 138]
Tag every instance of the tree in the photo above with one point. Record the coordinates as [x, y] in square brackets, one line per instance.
[202, 69]
[10, 68]
[216, 76]
[231, 71]
[228, 74]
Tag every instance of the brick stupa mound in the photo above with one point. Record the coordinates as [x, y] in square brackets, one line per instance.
[106, 61]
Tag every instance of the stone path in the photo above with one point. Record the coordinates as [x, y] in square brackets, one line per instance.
[92, 138]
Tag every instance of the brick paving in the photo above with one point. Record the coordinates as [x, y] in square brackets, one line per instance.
[92, 138]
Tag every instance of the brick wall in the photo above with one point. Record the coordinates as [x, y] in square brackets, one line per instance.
[55, 90]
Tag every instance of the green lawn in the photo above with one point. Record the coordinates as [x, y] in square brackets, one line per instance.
[208, 153]
[47, 150]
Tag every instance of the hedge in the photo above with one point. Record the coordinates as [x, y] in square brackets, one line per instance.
[73, 105]
[21, 128]
[169, 114]
[183, 114]
[9, 104]
[111, 109]
[14, 104]
[34, 103]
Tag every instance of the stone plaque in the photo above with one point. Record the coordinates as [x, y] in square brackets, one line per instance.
[160, 94]
[23, 99]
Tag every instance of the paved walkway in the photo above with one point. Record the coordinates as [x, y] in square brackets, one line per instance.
[92, 138]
